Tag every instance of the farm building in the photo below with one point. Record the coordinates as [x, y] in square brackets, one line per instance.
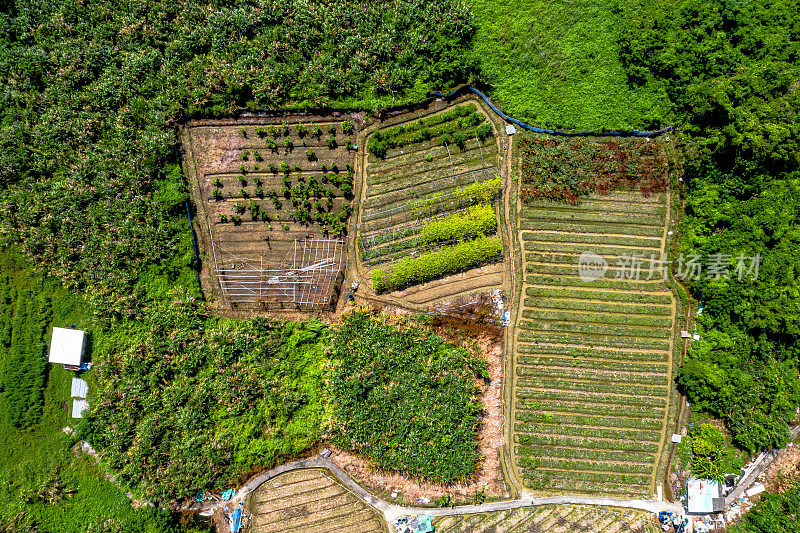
[67, 346]
[704, 496]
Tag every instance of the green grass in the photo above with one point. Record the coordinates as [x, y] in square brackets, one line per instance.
[43, 484]
[556, 64]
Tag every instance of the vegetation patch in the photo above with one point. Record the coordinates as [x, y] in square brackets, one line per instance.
[404, 398]
[568, 169]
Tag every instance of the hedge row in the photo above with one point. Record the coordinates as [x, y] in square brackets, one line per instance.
[415, 270]
[480, 192]
[477, 220]
[600, 318]
[591, 397]
[593, 354]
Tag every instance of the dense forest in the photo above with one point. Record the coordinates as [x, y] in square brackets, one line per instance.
[732, 73]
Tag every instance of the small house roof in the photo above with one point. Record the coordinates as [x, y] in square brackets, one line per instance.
[66, 346]
[703, 496]
[78, 405]
[79, 388]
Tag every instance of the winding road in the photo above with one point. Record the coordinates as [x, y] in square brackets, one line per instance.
[391, 511]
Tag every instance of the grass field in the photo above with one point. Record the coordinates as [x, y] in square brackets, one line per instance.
[552, 518]
[555, 64]
[44, 486]
[592, 359]
[427, 208]
[309, 501]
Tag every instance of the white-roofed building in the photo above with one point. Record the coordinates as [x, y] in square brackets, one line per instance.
[78, 405]
[67, 346]
[79, 388]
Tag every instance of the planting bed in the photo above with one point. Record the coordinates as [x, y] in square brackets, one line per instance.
[552, 518]
[592, 359]
[428, 205]
[309, 500]
[273, 200]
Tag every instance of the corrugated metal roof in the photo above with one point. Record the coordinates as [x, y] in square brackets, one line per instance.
[78, 406]
[79, 388]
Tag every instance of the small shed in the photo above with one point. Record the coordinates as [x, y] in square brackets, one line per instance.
[78, 405]
[79, 388]
[510, 129]
[704, 496]
[67, 346]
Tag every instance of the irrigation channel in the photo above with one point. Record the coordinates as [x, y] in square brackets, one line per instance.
[391, 511]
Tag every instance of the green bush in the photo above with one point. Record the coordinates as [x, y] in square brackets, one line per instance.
[477, 220]
[462, 256]
[404, 398]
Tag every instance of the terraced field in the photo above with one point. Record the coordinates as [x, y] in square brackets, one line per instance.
[271, 197]
[552, 518]
[309, 501]
[428, 207]
[592, 358]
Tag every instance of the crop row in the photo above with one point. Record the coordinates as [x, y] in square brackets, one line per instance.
[598, 318]
[592, 238]
[588, 294]
[625, 285]
[591, 397]
[551, 481]
[612, 272]
[591, 353]
[583, 431]
[595, 329]
[592, 386]
[614, 409]
[419, 190]
[457, 124]
[608, 474]
[592, 363]
[627, 343]
[416, 159]
[581, 215]
[429, 169]
[480, 192]
[589, 375]
[543, 461]
[600, 249]
[593, 227]
[415, 270]
[443, 206]
[557, 441]
[585, 420]
[624, 203]
[569, 304]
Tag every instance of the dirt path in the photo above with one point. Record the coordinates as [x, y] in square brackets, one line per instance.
[391, 511]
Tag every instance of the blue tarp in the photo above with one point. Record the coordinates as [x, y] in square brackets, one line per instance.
[235, 521]
[228, 494]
